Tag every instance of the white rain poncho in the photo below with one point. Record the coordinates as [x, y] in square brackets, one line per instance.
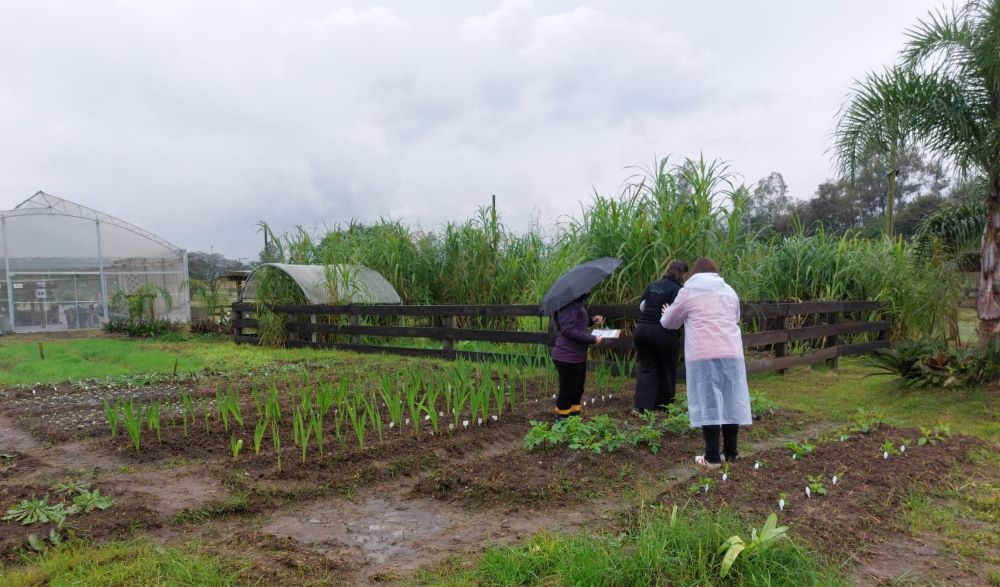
[717, 390]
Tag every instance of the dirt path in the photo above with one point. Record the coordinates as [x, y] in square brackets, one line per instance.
[387, 530]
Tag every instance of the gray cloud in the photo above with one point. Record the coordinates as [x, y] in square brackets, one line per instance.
[196, 120]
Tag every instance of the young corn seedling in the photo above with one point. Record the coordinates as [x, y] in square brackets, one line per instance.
[258, 435]
[459, 400]
[235, 446]
[206, 411]
[187, 411]
[374, 417]
[498, 391]
[316, 426]
[113, 414]
[431, 410]
[356, 415]
[302, 432]
[413, 407]
[133, 423]
[153, 420]
[392, 397]
[324, 398]
[276, 439]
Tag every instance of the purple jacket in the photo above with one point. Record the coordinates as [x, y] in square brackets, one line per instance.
[572, 336]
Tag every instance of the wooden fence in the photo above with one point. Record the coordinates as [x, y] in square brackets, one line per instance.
[777, 335]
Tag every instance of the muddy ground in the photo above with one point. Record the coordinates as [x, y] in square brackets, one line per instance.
[414, 500]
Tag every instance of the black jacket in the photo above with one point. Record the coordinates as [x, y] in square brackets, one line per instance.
[661, 292]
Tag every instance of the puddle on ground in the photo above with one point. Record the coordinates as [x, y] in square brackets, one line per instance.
[401, 533]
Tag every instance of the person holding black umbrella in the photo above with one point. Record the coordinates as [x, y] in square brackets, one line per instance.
[657, 348]
[569, 354]
[565, 303]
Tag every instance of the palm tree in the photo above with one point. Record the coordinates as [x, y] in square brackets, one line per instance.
[944, 94]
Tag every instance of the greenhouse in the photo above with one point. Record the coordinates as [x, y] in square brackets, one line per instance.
[321, 284]
[66, 266]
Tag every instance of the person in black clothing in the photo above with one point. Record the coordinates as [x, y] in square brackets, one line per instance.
[657, 348]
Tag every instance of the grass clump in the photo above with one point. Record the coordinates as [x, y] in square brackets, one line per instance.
[138, 562]
[655, 547]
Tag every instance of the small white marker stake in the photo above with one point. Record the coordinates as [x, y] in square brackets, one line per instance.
[479, 421]
[781, 504]
[834, 479]
[465, 423]
[885, 455]
[808, 493]
[756, 465]
[902, 448]
[391, 424]
[725, 476]
[494, 417]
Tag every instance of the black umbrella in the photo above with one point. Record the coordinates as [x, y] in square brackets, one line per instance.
[576, 282]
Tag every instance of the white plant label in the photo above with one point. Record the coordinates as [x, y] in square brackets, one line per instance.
[781, 504]
[493, 417]
[834, 479]
[706, 488]
[725, 476]
[902, 448]
[808, 493]
[756, 465]
[479, 421]
[465, 423]
[391, 424]
[885, 455]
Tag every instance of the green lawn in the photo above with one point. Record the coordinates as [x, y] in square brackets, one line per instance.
[836, 395]
[94, 358]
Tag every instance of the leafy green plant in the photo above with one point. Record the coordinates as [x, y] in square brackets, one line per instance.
[934, 434]
[867, 420]
[815, 485]
[37, 511]
[702, 485]
[70, 487]
[800, 450]
[760, 405]
[258, 435]
[889, 449]
[87, 501]
[734, 546]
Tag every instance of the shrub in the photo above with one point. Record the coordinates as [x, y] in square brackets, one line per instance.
[147, 328]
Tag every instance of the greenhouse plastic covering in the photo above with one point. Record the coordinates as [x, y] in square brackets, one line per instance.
[63, 263]
[332, 284]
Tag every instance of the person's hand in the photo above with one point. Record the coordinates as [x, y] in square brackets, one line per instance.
[663, 310]
[599, 320]
[598, 341]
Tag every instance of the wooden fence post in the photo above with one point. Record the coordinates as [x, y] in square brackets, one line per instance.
[833, 340]
[448, 342]
[355, 320]
[781, 323]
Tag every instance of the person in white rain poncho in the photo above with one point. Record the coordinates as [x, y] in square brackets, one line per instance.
[717, 393]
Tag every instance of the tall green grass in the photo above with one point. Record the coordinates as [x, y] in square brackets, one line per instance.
[687, 209]
[121, 564]
[654, 548]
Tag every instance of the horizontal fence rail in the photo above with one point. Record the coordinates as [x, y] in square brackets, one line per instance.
[821, 329]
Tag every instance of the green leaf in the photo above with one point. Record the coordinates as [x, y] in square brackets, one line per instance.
[730, 558]
[36, 543]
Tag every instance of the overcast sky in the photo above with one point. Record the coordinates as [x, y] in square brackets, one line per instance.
[197, 119]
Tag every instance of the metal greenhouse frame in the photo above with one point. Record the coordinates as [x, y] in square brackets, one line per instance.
[63, 263]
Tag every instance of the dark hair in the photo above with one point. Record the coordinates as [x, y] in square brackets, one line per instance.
[676, 270]
[704, 265]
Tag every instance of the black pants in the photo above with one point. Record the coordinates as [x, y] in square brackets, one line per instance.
[729, 434]
[571, 379]
[656, 370]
